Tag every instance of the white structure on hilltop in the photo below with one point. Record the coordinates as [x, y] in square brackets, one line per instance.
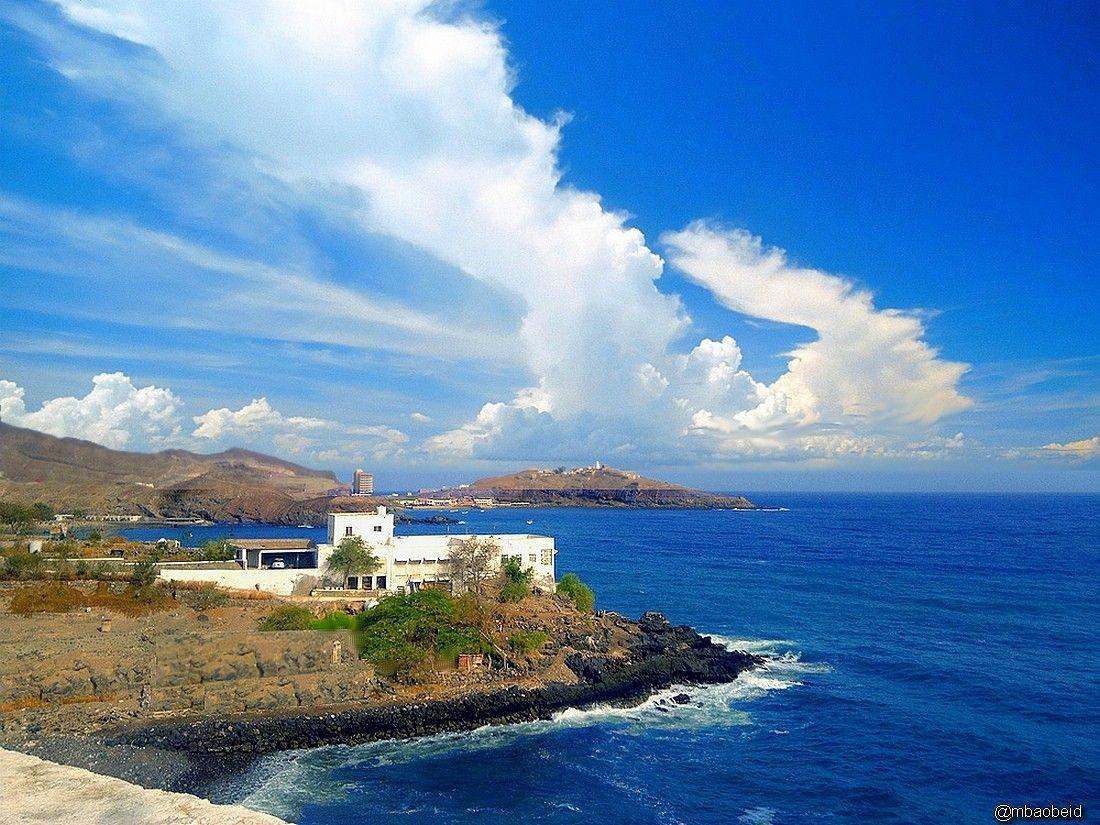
[295, 567]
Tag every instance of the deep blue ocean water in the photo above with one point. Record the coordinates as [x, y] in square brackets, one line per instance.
[933, 656]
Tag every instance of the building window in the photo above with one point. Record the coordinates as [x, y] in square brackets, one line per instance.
[547, 556]
[353, 582]
[378, 528]
[532, 558]
[347, 531]
[380, 582]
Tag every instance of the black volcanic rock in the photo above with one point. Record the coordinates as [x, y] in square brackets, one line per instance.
[661, 656]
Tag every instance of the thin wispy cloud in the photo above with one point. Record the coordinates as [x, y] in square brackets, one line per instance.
[390, 123]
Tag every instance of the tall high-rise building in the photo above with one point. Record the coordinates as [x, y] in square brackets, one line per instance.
[362, 484]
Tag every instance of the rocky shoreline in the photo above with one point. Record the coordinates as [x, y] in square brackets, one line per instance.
[190, 754]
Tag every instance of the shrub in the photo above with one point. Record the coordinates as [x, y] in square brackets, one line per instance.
[578, 592]
[143, 574]
[517, 581]
[205, 598]
[288, 617]
[22, 566]
[528, 641]
[514, 592]
[336, 620]
[404, 630]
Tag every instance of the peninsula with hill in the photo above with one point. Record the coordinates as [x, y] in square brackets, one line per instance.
[241, 486]
[595, 486]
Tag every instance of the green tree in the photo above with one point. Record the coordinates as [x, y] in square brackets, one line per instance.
[217, 550]
[353, 557]
[16, 516]
[516, 582]
[578, 592]
[95, 536]
[42, 511]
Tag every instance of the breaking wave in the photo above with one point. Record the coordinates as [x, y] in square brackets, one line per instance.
[282, 783]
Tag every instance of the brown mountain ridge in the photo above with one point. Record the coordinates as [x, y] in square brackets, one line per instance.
[234, 485]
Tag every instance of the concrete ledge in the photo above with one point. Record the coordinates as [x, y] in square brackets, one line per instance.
[45, 792]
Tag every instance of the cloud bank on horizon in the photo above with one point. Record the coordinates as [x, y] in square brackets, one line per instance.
[400, 117]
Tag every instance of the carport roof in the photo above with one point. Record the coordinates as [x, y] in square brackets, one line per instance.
[272, 544]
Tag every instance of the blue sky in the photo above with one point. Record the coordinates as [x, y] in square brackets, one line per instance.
[732, 245]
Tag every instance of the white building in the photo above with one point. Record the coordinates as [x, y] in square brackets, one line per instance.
[293, 567]
[409, 562]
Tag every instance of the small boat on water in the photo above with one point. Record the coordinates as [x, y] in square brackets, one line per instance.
[306, 526]
[530, 521]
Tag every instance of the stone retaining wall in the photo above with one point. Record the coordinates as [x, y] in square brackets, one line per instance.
[220, 670]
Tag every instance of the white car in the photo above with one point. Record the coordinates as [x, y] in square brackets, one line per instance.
[278, 564]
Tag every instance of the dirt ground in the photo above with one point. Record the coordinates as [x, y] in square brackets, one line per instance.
[94, 668]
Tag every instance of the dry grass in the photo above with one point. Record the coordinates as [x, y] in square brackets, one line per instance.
[48, 597]
[251, 595]
[233, 593]
[37, 702]
[22, 704]
[55, 597]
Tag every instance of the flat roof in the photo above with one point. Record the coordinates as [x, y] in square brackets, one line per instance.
[271, 544]
[463, 536]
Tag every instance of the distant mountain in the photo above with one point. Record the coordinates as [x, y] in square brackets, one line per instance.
[234, 485]
[603, 486]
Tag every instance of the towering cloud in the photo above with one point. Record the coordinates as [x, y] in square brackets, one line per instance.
[414, 114]
[407, 116]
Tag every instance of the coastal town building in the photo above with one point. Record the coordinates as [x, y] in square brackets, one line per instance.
[408, 563]
[362, 484]
[412, 562]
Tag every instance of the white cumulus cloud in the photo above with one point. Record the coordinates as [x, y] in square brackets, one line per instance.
[114, 413]
[867, 365]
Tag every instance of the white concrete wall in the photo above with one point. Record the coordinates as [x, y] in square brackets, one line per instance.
[374, 528]
[426, 558]
[280, 582]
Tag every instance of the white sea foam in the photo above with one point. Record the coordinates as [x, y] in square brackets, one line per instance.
[282, 783]
[758, 816]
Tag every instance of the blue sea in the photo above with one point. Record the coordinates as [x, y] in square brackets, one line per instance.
[931, 656]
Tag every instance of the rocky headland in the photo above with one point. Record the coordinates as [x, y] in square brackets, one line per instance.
[168, 700]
